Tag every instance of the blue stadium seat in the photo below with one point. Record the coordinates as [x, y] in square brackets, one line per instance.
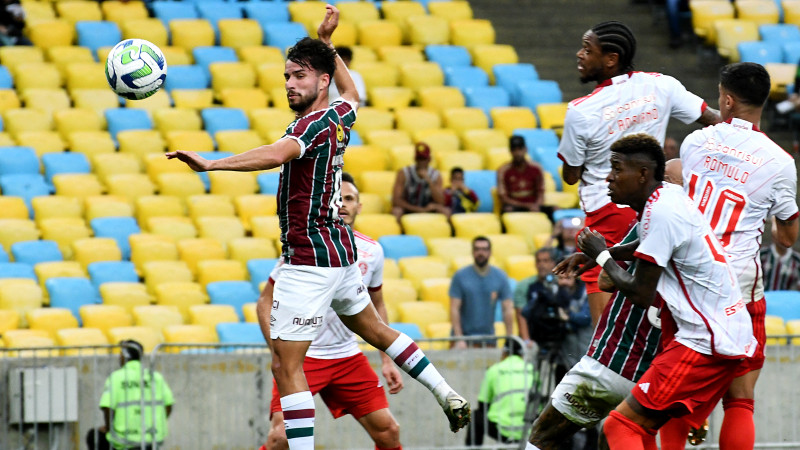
[34, 252]
[121, 119]
[240, 333]
[465, 77]
[64, 162]
[167, 11]
[547, 157]
[16, 270]
[187, 77]
[118, 228]
[14, 160]
[71, 293]
[760, 52]
[355, 138]
[779, 33]
[210, 155]
[6, 82]
[537, 137]
[448, 56]
[221, 119]
[283, 35]
[234, 293]
[486, 98]
[266, 12]
[3, 255]
[785, 304]
[112, 272]
[214, 11]
[509, 75]
[268, 182]
[203, 56]
[567, 213]
[532, 93]
[96, 34]
[259, 270]
[25, 185]
[402, 246]
[410, 329]
[482, 182]
[791, 52]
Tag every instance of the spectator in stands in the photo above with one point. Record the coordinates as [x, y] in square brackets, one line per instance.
[418, 187]
[501, 400]
[347, 56]
[126, 392]
[458, 197]
[563, 237]
[674, 9]
[520, 183]
[12, 22]
[672, 171]
[474, 293]
[781, 266]
[545, 263]
[672, 149]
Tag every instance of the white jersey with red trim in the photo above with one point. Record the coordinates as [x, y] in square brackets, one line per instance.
[334, 339]
[697, 284]
[737, 177]
[635, 102]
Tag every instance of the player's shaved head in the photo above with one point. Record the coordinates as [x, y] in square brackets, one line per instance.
[673, 172]
[748, 82]
[616, 37]
[643, 148]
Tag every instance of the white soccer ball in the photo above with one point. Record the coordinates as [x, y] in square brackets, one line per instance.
[136, 69]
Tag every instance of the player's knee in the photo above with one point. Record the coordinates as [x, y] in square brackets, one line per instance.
[386, 435]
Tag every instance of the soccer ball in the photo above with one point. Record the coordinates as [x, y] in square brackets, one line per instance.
[136, 69]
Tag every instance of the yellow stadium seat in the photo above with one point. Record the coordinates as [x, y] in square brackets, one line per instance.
[260, 54]
[238, 141]
[421, 75]
[346, 33]
[423, 313]
[249, 311]
[251, 205]
[244, 98]
[775, 326]
[51, 33]
[757, 11]
[419, 268]
[149, 29]
[266, 227]
[377, 182]
[11, 56]
[199, 141]
[505, 245]
[416, 119]
[9, 320]
[510, 118]
[428, 30]
[482, 140]
[466, 160]
[158, 206]
[30, 339]
[474, 224]
[793, 328]
[65, 55]
[140, 143]
[210, 205]
[41, 141]
[453, 10]
[193, 98]
[356, 12]
[551, 115]
[191, 33]
[108, 164]
[89, 250]
[471, 32]
[440, 141]
[76, 119]
[46, 270]
[377, 225]
[131, 185]
[103, 52]
[244, 249]
[401, 54]
[370, 119]
[37, 11]
[147, 247]
[9, 100]
[448, 248]
[107, 206]
[194, 250]
[13, 208]
[105, 317]
[212, 270]
[20, 296]
[17, 230]
[157, 164]
[46, 207]
[390, 269]
[438, 330]
[158, 272]
[46, 99]
[50, 319]
[189, 334]
[705, 13]
[237, 33]
[85, 75]
[486, 56]
[361, 158]
[143, 335]
[232, 183]
[173, 119]
[390, 98]
[180, 185]
[159, 100]
[17, 121]
[78, 185]
[98, 100]
[387, 138]
[730, 33]
[266, 120]
[225, 75]
[436, 290]
[371, 203]
[426, 225]
[463, 119]
[76, 11]
[65, 231]
[125, 294]
[780, 77]
[157, 316]
[441, 98]
[403, 155]
[86, 337]
[307, 11]
[378, 74]
[377, 33]
[91, 143]
[270, 76]
[176, 228]
[562, 200]
[223, 229]
[496, 158]
[527, 225]
[397, 291]
[399, 12]
[520, 267]
[791, 13]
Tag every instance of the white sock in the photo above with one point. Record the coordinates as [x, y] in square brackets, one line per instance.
[413, 361]
[298, 418]
[529, 446]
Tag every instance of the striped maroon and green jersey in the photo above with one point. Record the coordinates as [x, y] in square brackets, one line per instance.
[781, 273]
[309, 191]
[625, 340]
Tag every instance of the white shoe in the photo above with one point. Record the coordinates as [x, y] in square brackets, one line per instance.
[457, 410]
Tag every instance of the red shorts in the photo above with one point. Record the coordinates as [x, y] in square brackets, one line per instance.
[346, 385]
[758, 311]
[613, 222]
[682, 381]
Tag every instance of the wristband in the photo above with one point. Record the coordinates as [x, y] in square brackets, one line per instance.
[602, 258]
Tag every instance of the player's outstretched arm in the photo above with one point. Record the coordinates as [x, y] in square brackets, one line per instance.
[341, 76]
[260, 158]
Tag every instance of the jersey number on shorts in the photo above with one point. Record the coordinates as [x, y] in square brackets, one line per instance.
[717, 202]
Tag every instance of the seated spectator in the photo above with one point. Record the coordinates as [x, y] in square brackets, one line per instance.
[458, 197]
[12, 22]
[520, 183]
[347, 56]
[781, 266]
[418, 187]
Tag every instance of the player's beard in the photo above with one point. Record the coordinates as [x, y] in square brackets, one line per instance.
[303, 102]
[481, 262]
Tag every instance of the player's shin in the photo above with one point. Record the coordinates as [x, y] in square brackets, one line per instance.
[622, 433]
[298, 419]
[737, 431]
[673, 434]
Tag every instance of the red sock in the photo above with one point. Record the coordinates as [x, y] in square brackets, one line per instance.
[738, 431]
[622, 433]
[673, 434]
[395, 448]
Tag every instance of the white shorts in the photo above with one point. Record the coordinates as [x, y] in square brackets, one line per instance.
[589, 391]
[303, 294]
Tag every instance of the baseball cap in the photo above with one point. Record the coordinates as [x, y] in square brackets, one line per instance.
[422, 151]
[516, 141]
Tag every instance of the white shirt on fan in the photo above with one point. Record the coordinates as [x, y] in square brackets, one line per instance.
[635, 102]
[737, 177]
[335, 340]
[697, 284]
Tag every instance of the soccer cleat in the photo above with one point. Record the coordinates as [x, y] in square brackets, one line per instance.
[698, 435]
[457, 410]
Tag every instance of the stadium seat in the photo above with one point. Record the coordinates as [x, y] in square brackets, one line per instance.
[158, 100]
[210, 205]
[784, 304]
[149, 29]
[176, 228]
[82, 337]
[482, 182]
[168, 11]
[511, 118]
[775, 326]
[130, 185]
[463, 119]
[205, 56]
[378, 33]
[90, 250]
[483, 140]
[14, 208]
[471, 32]
[147, 248]
[466, 77]
[536, 137]
[81, 75]
[240, 333]
[214, 11]
[41, 141]
[411, 330]
[219, 119]
[730, 33]
[426, 225]
[189, 334]
[243, 98]
[398, 55]
[141, 143]
[91, 143]
[64, 231]
[268, 183]
[96, 34]
[259, 270]
[71, 293]
[223, 229]
[398, 13]
[73, 12]
[20, 295]
[436, 290]
[416, 119]
[122, 119]
[417, 268]
[187, 77]
[265, 12]
[505, 245]
[283, 35]
[213, 270]
[127, 295]
[50, 319]
[18, 121]
[157, 272]
[359, 159]
[423, 313]
[105, 165]
[64, 162]
[760, 52]
[487, 57]
[158, 206]
[71, 120]
[487, 97]
[428, 30]
[18, 160]
[233, 293]
[378, 182]
[181, 185]
[157, 317]
[793, 328]
[50, 206]
[758, 12]
[551, 115]
[471, 225]
[9, 100]
[199, 141]
[248, 206]
[534, 93]
[448, 248]
[519, 267]
[34, 252]
[143, 335]
[112, 271]
[194, 250]
[17, 230]
[779, 33]
[266, 227]
[46, 99]
[51, 33]
[402, 246]
[705, 14]
[396, 291]
[9, 320]
[465, 160]
[211, 315]
[12, 55]
[378, 74]
[77, 185]
[527, 225]
[191, 33]
[377, 225]
[390, 98]
[246, 248]
[266, 120]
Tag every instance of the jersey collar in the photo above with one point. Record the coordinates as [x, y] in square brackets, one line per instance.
[615, 80]
[743, 124]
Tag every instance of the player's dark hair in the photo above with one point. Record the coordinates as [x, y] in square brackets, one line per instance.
[482, 238]
[313, 54]
[748, 81]
[645, 145]
[345, 53]
[456, 170]
[349, 178]
[616, 37]
[131, 350]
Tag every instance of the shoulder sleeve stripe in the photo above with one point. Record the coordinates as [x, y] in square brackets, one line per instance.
[645, 257]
